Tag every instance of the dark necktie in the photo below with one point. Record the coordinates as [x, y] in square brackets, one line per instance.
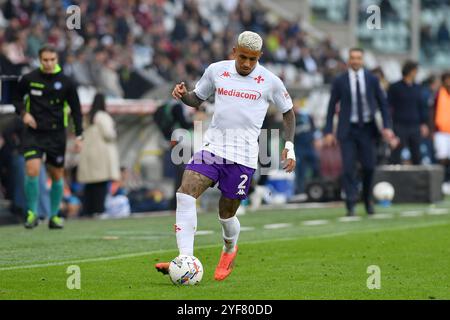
[359, 103]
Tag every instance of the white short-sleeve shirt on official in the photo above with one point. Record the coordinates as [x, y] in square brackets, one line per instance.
[241, 104]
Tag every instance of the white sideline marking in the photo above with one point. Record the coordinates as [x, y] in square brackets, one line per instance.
[110, 238]
[382, 216]
[314, 222]
[143, 238]
[411, 214]
[247, 228]
[349, 219]
[203, 232]
[438, 211]
[140, 254]
[127, 233]
[277, 225]
[62, 263]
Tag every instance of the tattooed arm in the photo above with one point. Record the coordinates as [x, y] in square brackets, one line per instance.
[188, 98]
[288, 154]
[289, 125]
[191, 100]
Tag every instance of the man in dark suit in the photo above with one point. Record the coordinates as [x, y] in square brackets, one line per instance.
[409, 114]
[359, 95]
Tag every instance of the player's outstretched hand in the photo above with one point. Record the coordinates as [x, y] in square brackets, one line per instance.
[179, 90]
[29, 120]
[288, 164]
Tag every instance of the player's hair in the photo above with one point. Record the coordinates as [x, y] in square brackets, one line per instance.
[429, 80]
[47, 48]
[357, 49]
[98, 104]
[250, 40]
[408, 67]
[445, 76]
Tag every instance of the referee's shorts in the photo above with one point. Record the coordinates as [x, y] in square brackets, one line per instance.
[52, 143]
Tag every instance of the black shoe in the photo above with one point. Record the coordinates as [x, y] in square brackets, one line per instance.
[55, 223]
[350, 209]
[32, 220]
[370, 209]
[351, 212]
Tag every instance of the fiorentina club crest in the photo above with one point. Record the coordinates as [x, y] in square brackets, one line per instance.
[259, 79]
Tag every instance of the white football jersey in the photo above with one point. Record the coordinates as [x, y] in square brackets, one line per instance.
[241, 104]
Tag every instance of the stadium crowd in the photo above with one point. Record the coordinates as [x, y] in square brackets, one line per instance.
[123, 44]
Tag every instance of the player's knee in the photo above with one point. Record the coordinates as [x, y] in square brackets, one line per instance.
[183, 189]
[32, 170]
[56, 176]
[32, 173]
[227, 214]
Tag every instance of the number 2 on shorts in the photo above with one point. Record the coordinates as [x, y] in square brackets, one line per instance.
[241, 186]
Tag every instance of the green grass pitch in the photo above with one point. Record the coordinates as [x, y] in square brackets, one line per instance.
[284, 254]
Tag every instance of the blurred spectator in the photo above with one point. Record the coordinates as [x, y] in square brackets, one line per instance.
[117, 204]
[78, 68]
[443, 35]
[409, 114]
[103, 72]
[378, 72]
[427, 41]
[71, 204]
[12, 174]
[387, 10]
[99, 159]
[6, 66]
[307, 61]
[35, 40]
[306, 141]
[430, 87]
[15, 49]
[441, 124]
[133, 83]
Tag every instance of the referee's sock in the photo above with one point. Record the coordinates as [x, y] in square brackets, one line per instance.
[56, 195]
[32, 192]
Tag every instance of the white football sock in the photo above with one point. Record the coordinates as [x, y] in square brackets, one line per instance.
[186, 223]
[230, 232]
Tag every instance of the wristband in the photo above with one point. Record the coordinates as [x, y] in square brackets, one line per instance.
[289, 145]
[290, 148]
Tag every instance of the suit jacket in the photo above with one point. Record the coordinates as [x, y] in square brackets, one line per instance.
[341, 93]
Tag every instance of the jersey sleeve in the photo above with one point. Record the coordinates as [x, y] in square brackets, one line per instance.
[75, 107]
[19, 96]
[280, 96]
[205, 87]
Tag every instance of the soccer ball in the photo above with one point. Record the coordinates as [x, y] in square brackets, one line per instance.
[384, 191]
[185, 270]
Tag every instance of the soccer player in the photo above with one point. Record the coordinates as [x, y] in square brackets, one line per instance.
[243, 90]
[43, 100]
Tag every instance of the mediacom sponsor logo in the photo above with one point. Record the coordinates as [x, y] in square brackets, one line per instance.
[240, 93]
